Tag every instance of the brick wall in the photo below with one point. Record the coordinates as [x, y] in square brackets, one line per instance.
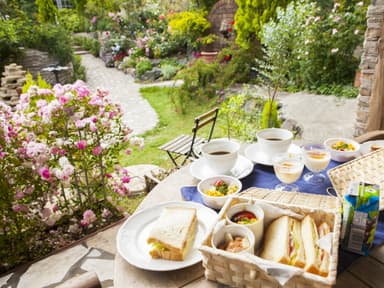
[368, 65]
[222, 11]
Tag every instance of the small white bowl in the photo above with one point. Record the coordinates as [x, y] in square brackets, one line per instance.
[217, 202]
[219, 237]
[342, 156]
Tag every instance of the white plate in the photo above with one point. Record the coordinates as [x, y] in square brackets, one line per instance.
[365, 148]
[253, 153]
[200, 170]
[132, 237]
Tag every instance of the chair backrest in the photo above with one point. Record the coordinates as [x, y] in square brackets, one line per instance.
[205, 119]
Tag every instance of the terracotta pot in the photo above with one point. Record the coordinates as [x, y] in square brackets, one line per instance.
[209, 57]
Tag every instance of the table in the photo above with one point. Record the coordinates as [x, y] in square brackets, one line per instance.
[365, 272]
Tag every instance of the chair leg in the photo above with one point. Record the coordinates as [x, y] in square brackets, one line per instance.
[173, 160]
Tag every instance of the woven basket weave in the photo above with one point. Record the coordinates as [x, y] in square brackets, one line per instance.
[368, 168]
[241, 270]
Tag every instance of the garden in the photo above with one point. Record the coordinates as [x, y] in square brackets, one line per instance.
[64, 148]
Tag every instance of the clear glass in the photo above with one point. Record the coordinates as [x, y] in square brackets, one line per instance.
[316, 159]
[288, 168]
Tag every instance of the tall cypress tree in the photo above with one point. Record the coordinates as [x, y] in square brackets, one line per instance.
[46, 10]
[251, 15]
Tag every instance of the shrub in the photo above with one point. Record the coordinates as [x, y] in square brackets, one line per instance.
[187, 27]
[238, 65]
[87, 43]
[58, 154]
[199, 80]
[143, 66]
[308, 50]
[240, 123]
[70, 20]
[168, 71]
[78, 69]
[251, 16]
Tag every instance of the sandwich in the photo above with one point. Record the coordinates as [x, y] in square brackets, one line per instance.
[283, 242]
[316, 259]
[173, 233]
[323, 230]
[294, 242]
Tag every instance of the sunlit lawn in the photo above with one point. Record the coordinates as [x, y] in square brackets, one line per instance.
[171, 124]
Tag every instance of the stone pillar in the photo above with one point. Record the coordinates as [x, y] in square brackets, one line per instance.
[368, 67]
[14, 78]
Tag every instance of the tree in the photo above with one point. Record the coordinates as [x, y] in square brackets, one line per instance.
[250, 17]
[47, 11]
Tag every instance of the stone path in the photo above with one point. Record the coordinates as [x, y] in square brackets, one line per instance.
[138, 114]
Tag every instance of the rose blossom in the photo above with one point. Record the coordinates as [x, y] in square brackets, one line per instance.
[81, 145]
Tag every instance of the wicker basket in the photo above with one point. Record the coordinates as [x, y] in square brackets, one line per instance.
[368, 168]
[241, 270]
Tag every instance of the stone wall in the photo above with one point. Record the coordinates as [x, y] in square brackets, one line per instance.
[221, 16]
[368, 65]
[12, 80]
[34, 61]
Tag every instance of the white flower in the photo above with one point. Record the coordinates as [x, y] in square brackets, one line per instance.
[334, 50]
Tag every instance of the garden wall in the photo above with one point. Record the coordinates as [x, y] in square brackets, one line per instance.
[371, 95]
[34, 61]
[220, 17]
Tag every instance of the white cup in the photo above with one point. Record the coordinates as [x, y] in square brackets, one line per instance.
[220, 155]
[274, 140]
[257, 227]
[219, 237]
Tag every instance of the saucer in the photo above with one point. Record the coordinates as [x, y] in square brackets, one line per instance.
[253, 153]
[200, 170]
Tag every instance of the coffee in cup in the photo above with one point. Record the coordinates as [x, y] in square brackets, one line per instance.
[273, 141]
[220, 155]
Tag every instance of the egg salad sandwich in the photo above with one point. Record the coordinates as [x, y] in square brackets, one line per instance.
[283, 242]
[173, 233]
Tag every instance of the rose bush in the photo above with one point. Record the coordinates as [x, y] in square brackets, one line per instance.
[59, 164]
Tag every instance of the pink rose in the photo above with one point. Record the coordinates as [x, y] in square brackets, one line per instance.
[45, 173]
[81, 145]
[97, 150]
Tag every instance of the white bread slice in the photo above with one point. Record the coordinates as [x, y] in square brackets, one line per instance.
[323, 230]
[310, 237]
[276, 244]
[173, 233]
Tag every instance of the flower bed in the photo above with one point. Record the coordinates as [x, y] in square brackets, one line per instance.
[59, 169]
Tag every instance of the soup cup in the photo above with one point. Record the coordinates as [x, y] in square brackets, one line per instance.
[220, 155]
[240, 214]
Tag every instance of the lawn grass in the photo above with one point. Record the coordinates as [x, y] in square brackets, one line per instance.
[171, 124]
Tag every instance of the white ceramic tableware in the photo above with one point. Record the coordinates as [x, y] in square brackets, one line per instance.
[339, 155]
[274, 140]
[217, 202]
[257, 227]
[220, 155]
[220, 236]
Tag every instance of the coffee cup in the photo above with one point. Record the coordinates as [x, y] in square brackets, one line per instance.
[273, 141]
[238, 215]
[220, 155]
